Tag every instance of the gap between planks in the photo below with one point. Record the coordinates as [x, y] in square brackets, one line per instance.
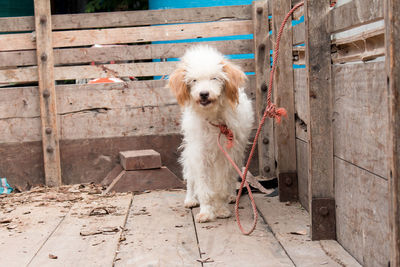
[290, 224]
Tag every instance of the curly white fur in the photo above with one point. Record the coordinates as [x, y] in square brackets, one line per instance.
[208, 87]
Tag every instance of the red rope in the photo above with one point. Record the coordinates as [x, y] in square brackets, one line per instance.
[270, 111]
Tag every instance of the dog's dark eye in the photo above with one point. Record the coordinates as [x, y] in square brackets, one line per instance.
[214, 79]
[194, 81]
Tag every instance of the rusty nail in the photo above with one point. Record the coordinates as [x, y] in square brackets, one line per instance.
[49, 149]
[43, 57]
[43, 20]
[262, 47]
[267, 169]
[48, 130]
[264, 87]
[46, 93]
[288, 181]
[259, 10]
[323, 211]
[266, 141]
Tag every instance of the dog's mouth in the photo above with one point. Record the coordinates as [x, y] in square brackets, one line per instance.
[205, 102]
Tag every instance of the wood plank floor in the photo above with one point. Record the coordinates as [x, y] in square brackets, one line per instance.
[78, 226]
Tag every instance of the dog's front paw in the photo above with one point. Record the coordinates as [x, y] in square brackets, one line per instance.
[223, 213]
[191, 203]
[203, 217]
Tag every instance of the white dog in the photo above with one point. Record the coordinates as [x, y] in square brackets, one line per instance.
[208, 87]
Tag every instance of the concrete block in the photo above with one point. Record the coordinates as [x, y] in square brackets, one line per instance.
[140, 159]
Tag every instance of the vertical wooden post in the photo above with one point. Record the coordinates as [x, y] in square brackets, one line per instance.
[285, 135]
[392, 39]
[47, 93]
[318, 68]
[262, 59]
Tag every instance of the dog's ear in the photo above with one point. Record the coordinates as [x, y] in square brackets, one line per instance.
[235, 79]
[178, 86]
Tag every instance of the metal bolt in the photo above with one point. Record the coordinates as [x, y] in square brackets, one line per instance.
[48, 130]
[43, 57]
[49, 149]
[266, 141]
[288, 181]
[323, 211]
[264, 87]
[259, 10]
[46, 93]
[267, 169]
[43, 20]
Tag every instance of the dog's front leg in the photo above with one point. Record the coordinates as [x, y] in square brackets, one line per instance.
[190, 199]
[206, 197]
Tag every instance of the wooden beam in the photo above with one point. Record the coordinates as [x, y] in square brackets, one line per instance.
[285, 136]
[130, 18]
[353, 14]
[266, 152]
[107, 70]
[318, 68]
[120, 53]
[47, 93]
[24, 41]
[392, 26]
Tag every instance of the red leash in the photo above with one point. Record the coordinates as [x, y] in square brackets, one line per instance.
[270, 111]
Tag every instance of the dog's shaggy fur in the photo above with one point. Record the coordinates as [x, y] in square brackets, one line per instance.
[209, 89]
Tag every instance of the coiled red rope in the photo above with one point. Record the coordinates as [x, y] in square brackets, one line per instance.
[271, 111]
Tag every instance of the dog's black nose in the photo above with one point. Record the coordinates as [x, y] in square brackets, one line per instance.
[204, 95]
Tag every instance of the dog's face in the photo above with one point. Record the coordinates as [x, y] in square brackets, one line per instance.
[204, 78]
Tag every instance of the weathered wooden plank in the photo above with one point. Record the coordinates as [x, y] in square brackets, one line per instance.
[161, 232]
[299, 33]
[266, 151]
[301, 103]
[74, 249]
[353, 14]
[364, 46]
[35, 222]
[22, 170]
[359, 124]
[392, 33]
[225, 245]
[130, 35]
[362, 214]
[285, 135]
[320, 141]
[121, 53]
[98, 122]
[121, 122]
[29, 74]
[47, 93]
[23, 102]
[131, 18]
[302, 171]
[289, 224]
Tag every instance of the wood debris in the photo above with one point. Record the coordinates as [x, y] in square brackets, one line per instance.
[104, 231]
[301, 232]
[53, 257]
[207, 260]
[5, 220]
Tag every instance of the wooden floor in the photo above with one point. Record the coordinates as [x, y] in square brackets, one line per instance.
[78, 226]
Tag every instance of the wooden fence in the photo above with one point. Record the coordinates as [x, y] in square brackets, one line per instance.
[81, 127]
[344, 113]
[332, 152]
